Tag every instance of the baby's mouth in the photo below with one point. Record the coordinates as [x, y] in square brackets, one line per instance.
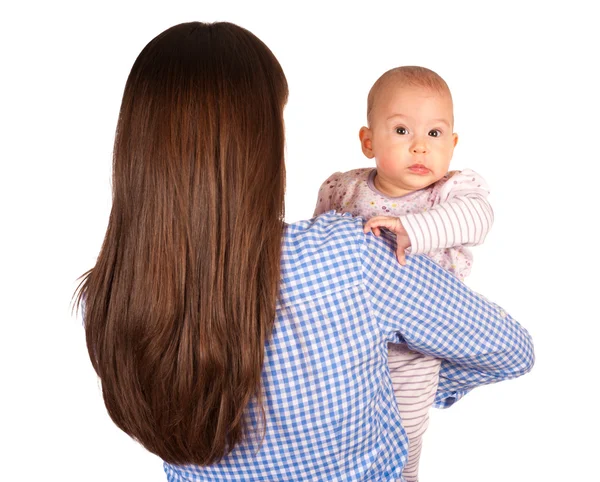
[418, 169]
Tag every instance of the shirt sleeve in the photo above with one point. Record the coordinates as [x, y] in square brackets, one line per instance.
[428, 308]
[463, 216]
[326, 193]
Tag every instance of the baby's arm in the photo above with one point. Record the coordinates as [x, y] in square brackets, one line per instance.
[463, 216]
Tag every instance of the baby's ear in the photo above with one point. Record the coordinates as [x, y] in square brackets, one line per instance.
[366, 141]
[455, 138]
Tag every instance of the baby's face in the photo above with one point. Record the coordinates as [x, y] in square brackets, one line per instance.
[411, 138]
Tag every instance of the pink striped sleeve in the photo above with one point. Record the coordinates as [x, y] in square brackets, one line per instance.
[463, 216]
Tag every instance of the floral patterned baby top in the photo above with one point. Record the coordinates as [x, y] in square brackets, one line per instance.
[441, 220]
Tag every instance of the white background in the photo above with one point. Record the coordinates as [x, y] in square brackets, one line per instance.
[525, 81]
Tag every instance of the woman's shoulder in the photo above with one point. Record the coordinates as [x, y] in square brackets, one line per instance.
[321, 254]
[326, 224]
[328, 236]
[330, 232]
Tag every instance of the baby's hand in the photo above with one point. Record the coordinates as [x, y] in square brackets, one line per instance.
[395, 226]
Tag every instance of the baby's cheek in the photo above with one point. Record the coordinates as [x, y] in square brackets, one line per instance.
[387, 163]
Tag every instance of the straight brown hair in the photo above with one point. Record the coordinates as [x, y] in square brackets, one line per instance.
[182, 297]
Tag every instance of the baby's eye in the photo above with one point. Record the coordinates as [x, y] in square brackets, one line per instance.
[435, 133]
[401, 130]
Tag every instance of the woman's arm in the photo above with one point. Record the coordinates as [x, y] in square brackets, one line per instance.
[426, 307]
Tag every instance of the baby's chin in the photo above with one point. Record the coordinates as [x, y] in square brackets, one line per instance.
[416, 182]
[399, 187]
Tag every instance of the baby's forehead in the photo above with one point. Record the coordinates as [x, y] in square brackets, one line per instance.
[396, 81]
[383, 99]
[392, 88]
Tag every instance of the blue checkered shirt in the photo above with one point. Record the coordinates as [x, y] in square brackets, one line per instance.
[329, 406]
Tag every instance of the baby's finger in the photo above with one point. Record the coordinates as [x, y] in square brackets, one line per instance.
[401, 257]
[372, 226]
[388, 222]
[373, 229]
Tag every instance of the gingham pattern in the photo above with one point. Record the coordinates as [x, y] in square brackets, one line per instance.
[328, 399]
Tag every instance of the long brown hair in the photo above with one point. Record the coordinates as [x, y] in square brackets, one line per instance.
[182, 297]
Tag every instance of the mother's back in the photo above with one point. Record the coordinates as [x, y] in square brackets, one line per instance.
[328, 401]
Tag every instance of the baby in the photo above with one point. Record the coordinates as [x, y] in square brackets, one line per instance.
[411, 193]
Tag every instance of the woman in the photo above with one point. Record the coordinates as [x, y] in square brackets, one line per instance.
[230, 344]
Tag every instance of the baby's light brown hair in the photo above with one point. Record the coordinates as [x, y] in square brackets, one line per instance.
[406, 75]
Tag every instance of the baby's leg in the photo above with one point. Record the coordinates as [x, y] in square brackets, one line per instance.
[415, 379]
